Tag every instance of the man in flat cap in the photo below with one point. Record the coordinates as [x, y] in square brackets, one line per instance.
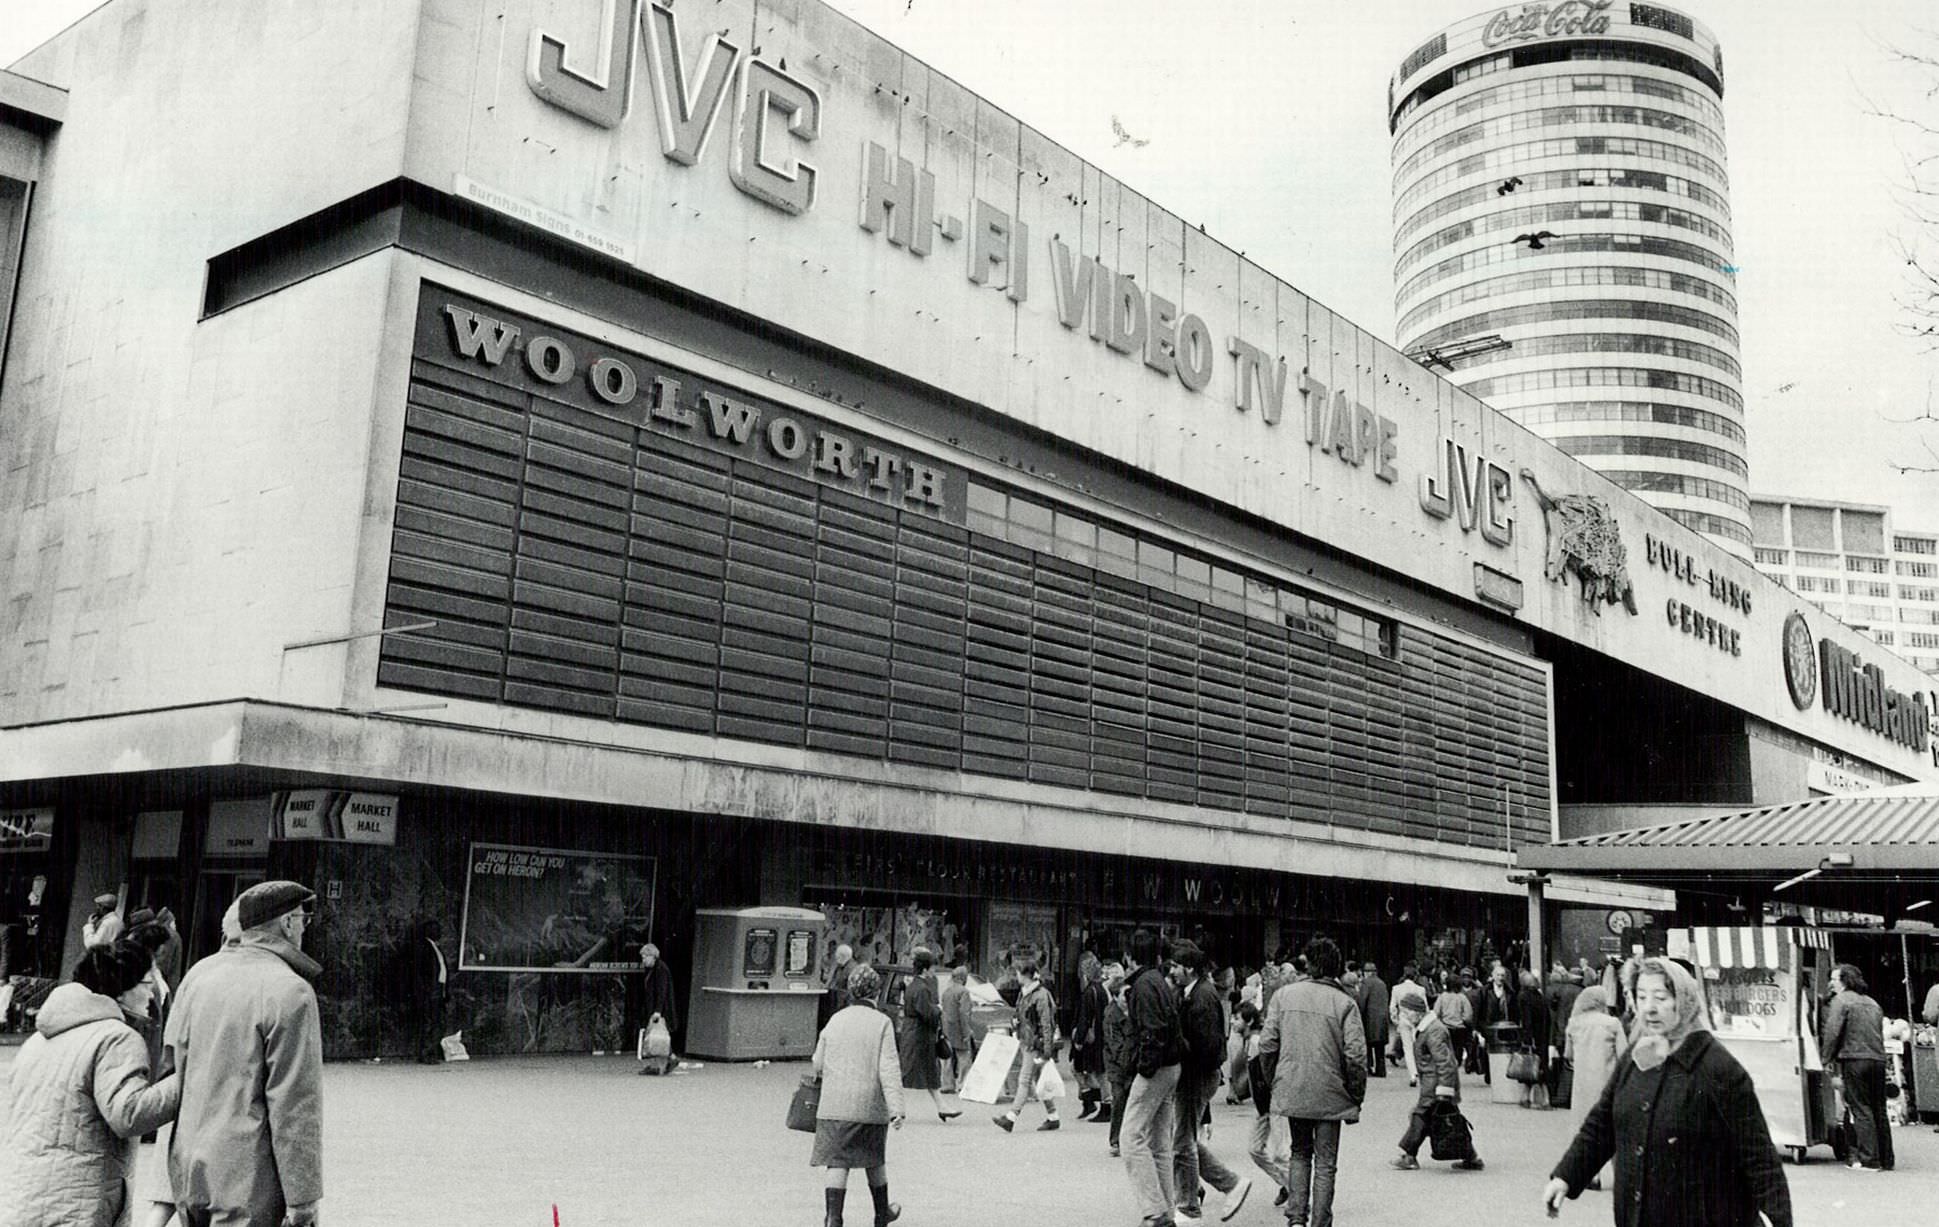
[244, 1036]
[103, 924]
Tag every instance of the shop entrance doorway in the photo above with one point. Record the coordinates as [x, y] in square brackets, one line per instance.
[216, 890]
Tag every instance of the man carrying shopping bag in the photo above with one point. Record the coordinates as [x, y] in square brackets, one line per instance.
[1037, 1041]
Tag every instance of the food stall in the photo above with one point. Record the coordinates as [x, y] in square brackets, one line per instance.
[1763, 984]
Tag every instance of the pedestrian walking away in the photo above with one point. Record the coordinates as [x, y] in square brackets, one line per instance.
[920, 1034]
[1852, 1041]
[1440, 1089]
[245, 1039]
[79, 1096]
[1267, 1145]
[1313, 1031]
[1120, 1055]
[1202, 1015]
[1532, 1016]
[1087, 1041]
[1375, 1005]
[1456, 1013]
[1681, 1120]
[1036, 1046]
[1592, 1044]
[1408, 994]
[956, 1006]
[1158, 1045]
[861, 1098]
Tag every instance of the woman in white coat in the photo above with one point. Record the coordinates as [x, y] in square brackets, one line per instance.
[1595, 1041]
[80, 1096]
[861, 1098]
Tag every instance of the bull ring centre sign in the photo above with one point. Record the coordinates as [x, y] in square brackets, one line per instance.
[776, 121]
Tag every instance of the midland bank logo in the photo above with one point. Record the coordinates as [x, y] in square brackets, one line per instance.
[1850, 688]
[771, 108]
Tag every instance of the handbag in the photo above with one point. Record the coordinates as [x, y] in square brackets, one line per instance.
[1449, 1135]
[1562, 1083]
[943, 1050]
[1525, 1067]
[805, 1104]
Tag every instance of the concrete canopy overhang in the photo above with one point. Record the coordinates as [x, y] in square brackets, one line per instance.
[1875, 852]
[246, 743]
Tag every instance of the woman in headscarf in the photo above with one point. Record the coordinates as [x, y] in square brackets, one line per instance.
[1533, 1016]
[1595, 1041]
[1681, 1120]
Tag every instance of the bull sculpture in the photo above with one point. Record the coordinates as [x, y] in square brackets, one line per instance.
[1583, 538]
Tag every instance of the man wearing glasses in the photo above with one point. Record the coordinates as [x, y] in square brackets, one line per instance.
[245, 1038]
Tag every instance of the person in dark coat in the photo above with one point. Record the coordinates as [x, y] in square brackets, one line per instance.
[1157, 1046]
[1438, 1060]
[835, 999]
[920, 1032]
[1564, 987]
[1852, 1041]
[424, 982]
[1202, 1017]
[1087, 1041]
[1374, 1007]
[1120, 1057]
[1681, 1120]
[1477, 1057]
[656, 994]
[1532, 1016]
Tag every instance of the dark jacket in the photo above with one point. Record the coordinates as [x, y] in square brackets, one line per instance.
[1120, 1051]
[658, 996]
[1494, 1007]
[1374, 1007]
[1435, 1057]
[1532, 1015]
[1156, 1038]
[1696, 1153]
[1037, 1022]
[1204, 1025]
[1087, 1029]
[1561, 1002]
[1854, 1029]
[1314, 1029]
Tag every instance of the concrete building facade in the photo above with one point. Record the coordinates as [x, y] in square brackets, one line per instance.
[552, 467]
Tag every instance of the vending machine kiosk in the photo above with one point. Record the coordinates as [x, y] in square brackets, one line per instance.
[755, 983]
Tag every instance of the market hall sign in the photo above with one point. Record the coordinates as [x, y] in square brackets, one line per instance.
[1852, 689]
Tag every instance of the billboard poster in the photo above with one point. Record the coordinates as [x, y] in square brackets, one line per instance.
[26, 830]
[551, 909]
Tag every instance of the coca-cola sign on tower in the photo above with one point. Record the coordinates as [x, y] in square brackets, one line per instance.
[1547, 21]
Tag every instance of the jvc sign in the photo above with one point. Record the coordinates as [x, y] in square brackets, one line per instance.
[770, 107]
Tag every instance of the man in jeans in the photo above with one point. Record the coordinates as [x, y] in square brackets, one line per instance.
[1204, 1025]
[1152, 1007]
[1314, 1028]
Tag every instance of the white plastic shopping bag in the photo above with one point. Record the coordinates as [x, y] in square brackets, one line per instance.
[1050, 1083]
[454, 1047]
[984, 1083]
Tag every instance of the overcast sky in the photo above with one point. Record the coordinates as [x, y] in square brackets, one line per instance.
[1264, 120]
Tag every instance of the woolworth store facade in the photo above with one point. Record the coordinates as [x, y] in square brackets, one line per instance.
[591, 464]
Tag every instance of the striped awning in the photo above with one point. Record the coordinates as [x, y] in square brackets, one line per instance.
[1751, 945]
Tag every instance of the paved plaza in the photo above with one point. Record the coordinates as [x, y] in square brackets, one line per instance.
[504, 1141]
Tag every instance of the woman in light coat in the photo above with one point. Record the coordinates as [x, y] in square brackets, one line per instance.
[80, 1095]
[861, 1097]
[1595, 1041]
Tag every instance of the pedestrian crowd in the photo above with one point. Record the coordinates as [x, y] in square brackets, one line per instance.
[223, 1066]
[1659, 1111]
